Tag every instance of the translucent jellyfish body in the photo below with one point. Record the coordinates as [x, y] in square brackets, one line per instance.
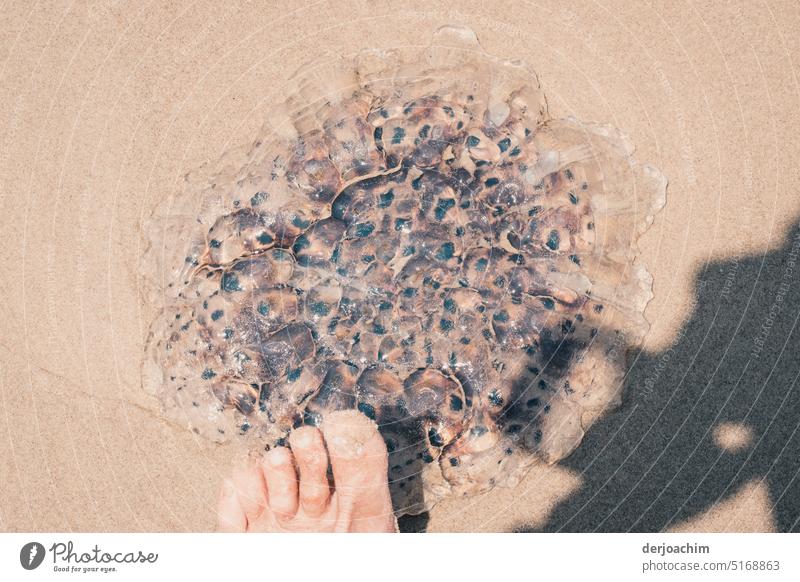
[414, 237]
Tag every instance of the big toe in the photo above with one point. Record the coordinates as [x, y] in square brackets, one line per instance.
[359, 462]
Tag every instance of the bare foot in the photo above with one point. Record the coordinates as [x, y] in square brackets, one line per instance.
[268, 496]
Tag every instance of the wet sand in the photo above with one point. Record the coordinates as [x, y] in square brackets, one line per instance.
[106, 106]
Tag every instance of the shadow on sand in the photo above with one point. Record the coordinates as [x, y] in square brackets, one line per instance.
[654, 462]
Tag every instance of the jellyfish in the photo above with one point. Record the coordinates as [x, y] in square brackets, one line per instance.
[413, 236]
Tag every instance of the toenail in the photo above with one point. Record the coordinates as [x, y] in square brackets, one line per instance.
[304, 438]
[278, 457]
[346, 447]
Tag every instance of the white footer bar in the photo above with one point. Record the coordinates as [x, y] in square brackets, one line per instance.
[438, 557]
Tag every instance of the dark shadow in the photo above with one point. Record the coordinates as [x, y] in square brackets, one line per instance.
[413, 523]
[655, 463]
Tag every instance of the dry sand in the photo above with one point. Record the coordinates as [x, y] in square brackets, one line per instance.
[105, 104]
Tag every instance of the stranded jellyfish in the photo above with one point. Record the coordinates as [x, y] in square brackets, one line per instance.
[411, 236]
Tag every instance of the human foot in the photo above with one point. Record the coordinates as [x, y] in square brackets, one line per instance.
[268, 496]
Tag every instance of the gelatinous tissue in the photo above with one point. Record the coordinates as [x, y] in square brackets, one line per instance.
[413, 236]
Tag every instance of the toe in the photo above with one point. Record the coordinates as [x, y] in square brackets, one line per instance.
[281, 480]
[230, 515]
[359, 462]
[251, 490]
[312, 461]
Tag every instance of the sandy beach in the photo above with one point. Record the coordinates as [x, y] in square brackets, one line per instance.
[105, 105]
